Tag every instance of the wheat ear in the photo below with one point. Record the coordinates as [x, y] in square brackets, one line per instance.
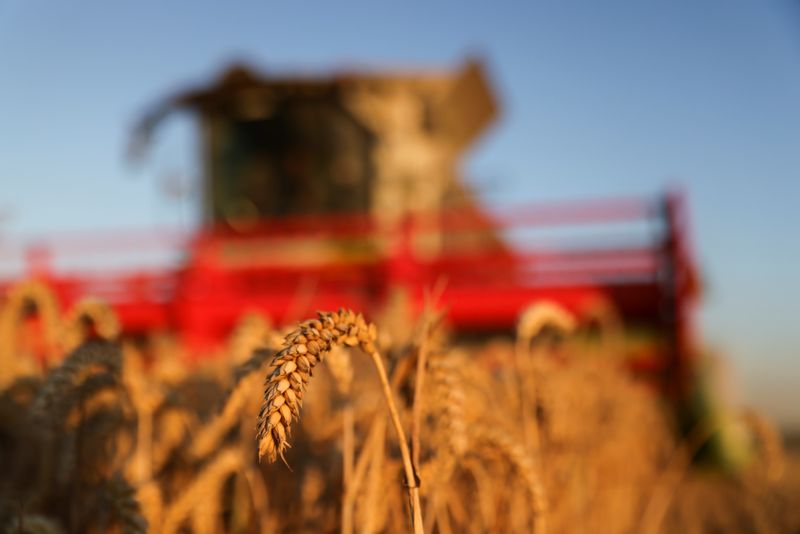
[19, 298]
[121, 500]
[293, 365]
[88, 311]
[63, 379]
[341, 368]
[532, 322]
[516, 455]
[769, 443]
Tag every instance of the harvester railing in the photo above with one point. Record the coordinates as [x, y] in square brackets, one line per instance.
[632, 253]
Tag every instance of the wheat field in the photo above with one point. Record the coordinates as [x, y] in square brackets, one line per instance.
[339, 424]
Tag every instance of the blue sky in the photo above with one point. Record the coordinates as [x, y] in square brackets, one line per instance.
[600, 98]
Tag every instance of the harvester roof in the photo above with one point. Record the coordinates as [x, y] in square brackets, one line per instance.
[460, 104]
[385, 144]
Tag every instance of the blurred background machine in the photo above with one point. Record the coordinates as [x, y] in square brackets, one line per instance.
[385, 145]
[344, 191]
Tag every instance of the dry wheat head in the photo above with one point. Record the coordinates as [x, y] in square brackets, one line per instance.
[293, 365]
[540, 315]
[88, 311]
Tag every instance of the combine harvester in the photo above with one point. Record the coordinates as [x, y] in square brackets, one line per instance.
[344, 191]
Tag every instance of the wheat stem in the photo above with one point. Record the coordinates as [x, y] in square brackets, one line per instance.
[419, 383]
[348, 445]
[667, 485]
[371, 443]
[411, 476]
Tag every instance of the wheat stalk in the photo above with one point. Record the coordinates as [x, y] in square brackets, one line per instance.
[500, 443]
[373, 441]
[293, 365]
[246, 381]
[171, 427]
[428, 322]
[200, 500]
[486, 495]
[259, 498]
[341, 368]
[145, 397]
[666, 486]
[151, 502]
[371, 509]
[770, 445]
[253, 331]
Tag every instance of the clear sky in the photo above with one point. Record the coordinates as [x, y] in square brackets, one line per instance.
[600, 98]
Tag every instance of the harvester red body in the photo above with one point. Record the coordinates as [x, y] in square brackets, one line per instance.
[280, 269]
[484, 267]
